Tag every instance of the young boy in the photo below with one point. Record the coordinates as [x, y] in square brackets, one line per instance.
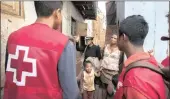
[87, 81]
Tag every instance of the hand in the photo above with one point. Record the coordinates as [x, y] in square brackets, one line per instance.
[77, 38]
[81, 91]
[151, 52]
[100, 69]
[98, 72]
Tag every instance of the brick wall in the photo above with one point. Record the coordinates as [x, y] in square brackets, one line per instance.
[99, 31]
[111, 29]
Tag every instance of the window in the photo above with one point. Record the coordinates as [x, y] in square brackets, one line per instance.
[14, 8]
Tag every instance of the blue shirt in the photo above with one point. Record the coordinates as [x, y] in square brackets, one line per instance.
[67, 72]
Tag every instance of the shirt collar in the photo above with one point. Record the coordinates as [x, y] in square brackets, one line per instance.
[136, 57]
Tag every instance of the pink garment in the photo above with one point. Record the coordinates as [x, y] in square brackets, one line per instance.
[166, 61]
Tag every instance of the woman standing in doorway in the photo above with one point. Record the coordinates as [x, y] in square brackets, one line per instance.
[110, 65]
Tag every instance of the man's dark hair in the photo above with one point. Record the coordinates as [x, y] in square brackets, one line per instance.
[87, 62]
[46, 8]
[136, 28]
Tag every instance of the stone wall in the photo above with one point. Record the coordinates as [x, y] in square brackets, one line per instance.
[111, 29]
[99, 31]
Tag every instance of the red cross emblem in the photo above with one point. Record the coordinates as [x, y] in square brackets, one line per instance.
[17, 71]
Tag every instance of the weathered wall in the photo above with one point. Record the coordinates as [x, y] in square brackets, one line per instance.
[154, 13]
[120, 12]
[111, 29]
[99, 30]
[89, 27]
[9, 24]
[68, 12]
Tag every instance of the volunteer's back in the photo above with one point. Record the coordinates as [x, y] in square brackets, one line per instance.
[36, 56]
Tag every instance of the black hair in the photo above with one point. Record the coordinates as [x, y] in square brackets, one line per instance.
[135, 28]
[87, 62]
[46, 8]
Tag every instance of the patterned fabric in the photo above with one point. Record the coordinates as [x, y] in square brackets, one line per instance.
[106, 75]
[111, 60]
[110, 65]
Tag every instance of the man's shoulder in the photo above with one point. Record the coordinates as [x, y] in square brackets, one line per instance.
[17, 32]
[22, 30]
[70, 47]
[140, 77]
[145, 80]
[70, 44]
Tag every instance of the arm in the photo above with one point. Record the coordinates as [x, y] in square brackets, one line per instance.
[80, 48]
[132, 93]
[97, 74]
[77, 42]
[121, 61]
[81, 82]
[6, 58]
[98, 53]
[103, 52]
[67, 72]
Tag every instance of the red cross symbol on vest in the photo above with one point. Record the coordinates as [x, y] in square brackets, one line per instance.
[24, 59]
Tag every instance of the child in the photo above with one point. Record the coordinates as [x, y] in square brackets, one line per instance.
[87, 81]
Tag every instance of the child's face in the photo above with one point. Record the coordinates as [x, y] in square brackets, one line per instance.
[88, 67]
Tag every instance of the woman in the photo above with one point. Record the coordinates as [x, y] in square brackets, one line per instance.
[110, 64]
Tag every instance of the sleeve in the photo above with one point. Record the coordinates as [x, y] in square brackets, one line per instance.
[103, 52]
[132, 93]
[79, 48]
[98, 53]
[81, 81]
[6, 58]
[121, 60]
[67, 72]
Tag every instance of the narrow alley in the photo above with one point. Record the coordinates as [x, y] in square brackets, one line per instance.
[90, 45]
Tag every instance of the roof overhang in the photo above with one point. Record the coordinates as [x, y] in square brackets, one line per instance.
[88, 9]
[111, 12]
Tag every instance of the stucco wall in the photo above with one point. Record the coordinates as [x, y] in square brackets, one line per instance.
[9, 24]
[68, 12]
[89, 27]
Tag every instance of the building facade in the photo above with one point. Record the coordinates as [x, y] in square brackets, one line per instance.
[16, 14]
[99, 29]
[155, 14]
